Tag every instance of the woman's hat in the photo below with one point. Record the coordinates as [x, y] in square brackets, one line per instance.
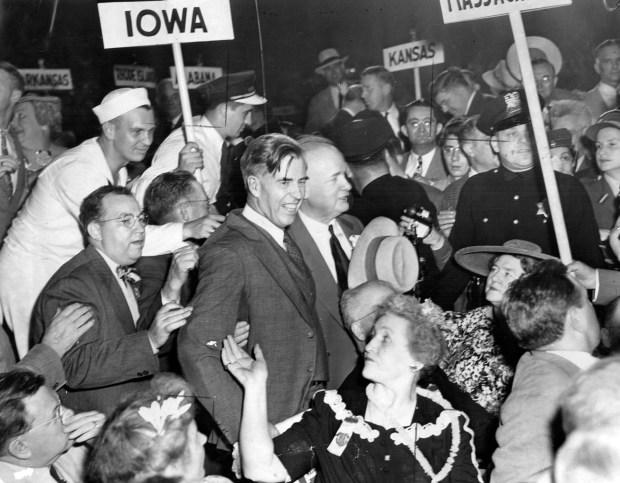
[607, 119]
[381, 253]
[328, 57]
[476, 259]
[540, 48]
[500, 78]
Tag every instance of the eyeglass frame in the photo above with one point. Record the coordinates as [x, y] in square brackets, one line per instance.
[427, 122]
[124, 218]
[207, 201]
[57, 411]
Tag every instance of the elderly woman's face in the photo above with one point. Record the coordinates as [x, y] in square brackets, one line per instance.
[26, 127]
[387, 353]
[505, 269]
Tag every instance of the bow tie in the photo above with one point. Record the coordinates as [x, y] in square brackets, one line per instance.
[130, 277]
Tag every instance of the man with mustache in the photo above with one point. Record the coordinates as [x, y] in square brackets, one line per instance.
[119, 353]
[510, 202]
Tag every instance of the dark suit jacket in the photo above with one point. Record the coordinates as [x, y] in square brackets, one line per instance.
[602, 198]
[341, 349]
[114, 357]
[529, 431]
[10, 206]
[479, 103]
[321, 111]
[245, 275]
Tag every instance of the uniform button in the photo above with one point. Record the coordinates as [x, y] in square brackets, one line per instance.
[516, 222]
[484, 220]
[516, 197]
[310, 369]
[310, 335]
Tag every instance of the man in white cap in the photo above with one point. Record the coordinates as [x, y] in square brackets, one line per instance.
[230, 99]
[324, 105]
[46, 233]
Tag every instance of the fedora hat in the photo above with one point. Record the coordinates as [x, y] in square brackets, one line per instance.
[328, 57]
[500, 78]
[476, 259]
[382, 253]
[540, 48]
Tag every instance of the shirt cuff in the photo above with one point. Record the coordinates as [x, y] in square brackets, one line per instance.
[596, 286]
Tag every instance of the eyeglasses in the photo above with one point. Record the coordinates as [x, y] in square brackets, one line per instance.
[449, 151]
[130, 220]
[544, 80]
[205, 202]
[57, 415]
[416, 123]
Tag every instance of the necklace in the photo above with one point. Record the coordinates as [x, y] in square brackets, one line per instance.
[410, 435]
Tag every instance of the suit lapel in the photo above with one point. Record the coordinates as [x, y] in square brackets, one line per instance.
[326, 287]
[117, 302]
[274, 259]
[436, 170]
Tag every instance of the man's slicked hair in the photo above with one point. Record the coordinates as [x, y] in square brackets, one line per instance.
[91, 208]
[266, 153]
[15, 386]
[164, 193]
[381, 73]
[536, 304]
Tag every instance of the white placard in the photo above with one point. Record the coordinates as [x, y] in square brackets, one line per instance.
[47, 79]
[134, 76]
[413, 54]
[196, 75]
[461, 10]
[134, 24]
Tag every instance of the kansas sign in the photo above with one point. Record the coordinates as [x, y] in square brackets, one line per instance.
[47, 79]
[414, 54]
[135, 24]
[461, 10]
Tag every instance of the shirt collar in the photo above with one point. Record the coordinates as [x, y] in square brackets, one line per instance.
[109, 262]
[613, 184]
[275, 232]
[583, 360]
[313, 226]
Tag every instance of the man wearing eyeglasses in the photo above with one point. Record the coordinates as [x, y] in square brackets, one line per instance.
[423, 163]
[40, 441]
[546, 80]
[119, 354]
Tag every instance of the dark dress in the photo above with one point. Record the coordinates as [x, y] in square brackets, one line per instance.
[374, 453]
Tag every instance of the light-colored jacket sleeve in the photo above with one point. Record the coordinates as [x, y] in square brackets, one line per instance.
[608, 286]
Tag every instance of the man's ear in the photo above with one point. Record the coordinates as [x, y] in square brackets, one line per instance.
[108, 129]
[253, 185]
[358, 331]
[16, 94]
[467, 149]
[438, 129]
[403, 130]
[184, 212]
[18, 448]
[597, 67]
[94, 230]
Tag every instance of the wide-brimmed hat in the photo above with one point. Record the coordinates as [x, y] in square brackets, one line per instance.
[500, 78]
[607, 119]
[381, 253]
[540, 48]
[328, 57]
[476, 259]
[237, 87]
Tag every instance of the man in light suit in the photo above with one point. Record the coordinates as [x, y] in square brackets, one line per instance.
[604, 96]
[550, 315]
[324, 105]
[251, 270]
[320, 214]
[13, 174]
[424, 162]
[119, 353]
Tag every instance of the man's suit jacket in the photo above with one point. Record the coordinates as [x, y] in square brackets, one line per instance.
[114, 357]
[596, 103]
[10, 206]
[436, 175]
[479, 103]
[602, 198]
[529, 430]
[341, 348]
[321, 111]
[245, 275]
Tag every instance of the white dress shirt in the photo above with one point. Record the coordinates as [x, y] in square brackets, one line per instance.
[412, 162]
[130, 297]
[276, 233]
[320, 234]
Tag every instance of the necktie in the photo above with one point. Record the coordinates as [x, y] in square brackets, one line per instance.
[340, 259]
[418, 168]
[130, 277]
[293, 250]
[223, 192]
[385, 114]
[5, 180]
[340, 99]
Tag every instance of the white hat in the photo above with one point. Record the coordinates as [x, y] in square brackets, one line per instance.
[328, 57]
[119, 102]
[540, 48]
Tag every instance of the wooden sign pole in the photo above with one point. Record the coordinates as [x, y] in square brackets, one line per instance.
[542, 144]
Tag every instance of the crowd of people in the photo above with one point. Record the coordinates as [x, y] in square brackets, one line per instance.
[374, 297]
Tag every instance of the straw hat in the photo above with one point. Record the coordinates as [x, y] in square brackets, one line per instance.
[328, 57]
[381, 253]
[500, 78]
[540, 48]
